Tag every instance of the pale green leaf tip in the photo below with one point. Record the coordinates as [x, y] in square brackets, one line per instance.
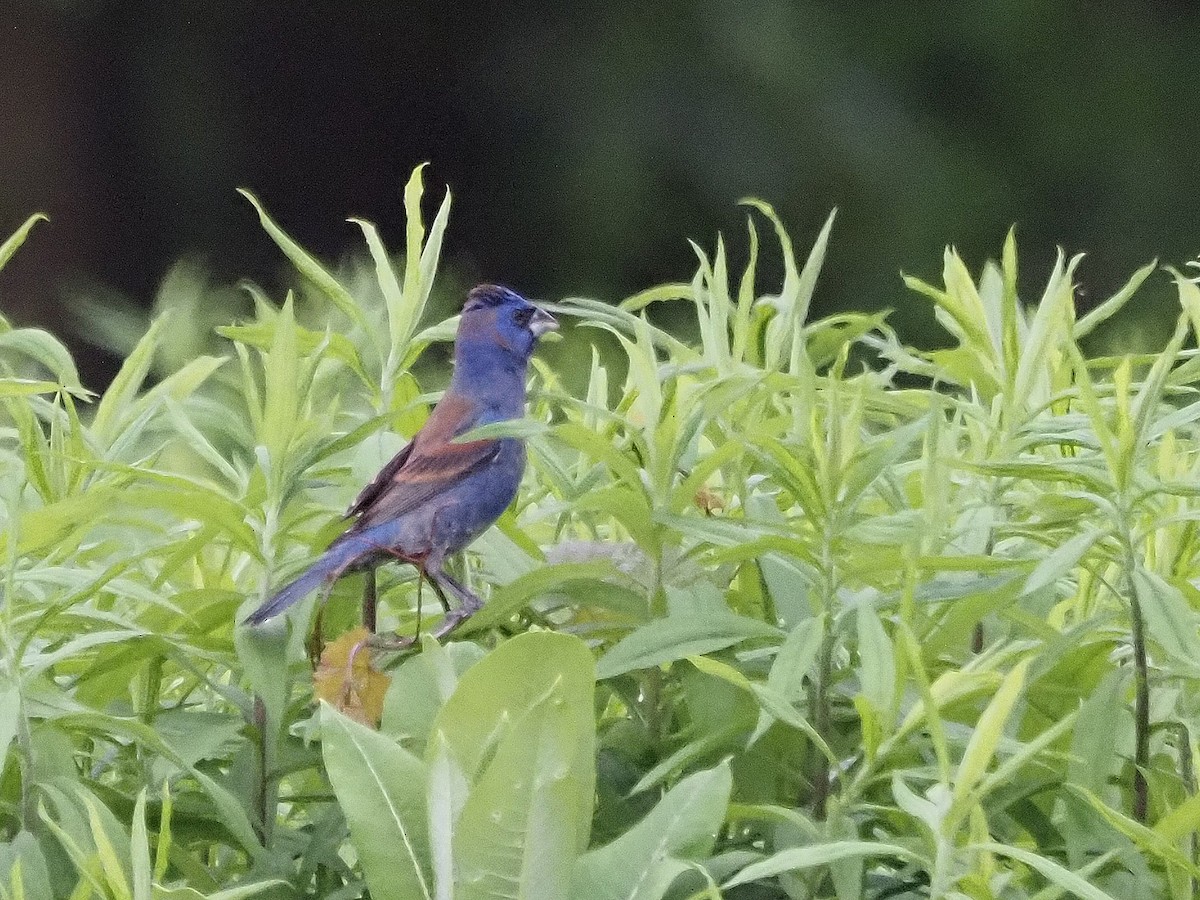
[253, 202]
[417, 178]
[761, 205]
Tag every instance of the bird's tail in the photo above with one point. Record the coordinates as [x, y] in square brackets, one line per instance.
[333, 563]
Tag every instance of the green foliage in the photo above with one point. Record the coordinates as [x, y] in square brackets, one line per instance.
[795, 611]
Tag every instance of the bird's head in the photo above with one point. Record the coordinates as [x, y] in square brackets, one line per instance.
[503, 317]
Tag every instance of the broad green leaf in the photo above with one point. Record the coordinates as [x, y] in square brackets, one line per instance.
[643, 862]
[519, 732]
[421, 686]
[381, 789]
[517, 833]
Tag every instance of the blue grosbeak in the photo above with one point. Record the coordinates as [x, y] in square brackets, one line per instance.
[436, 495]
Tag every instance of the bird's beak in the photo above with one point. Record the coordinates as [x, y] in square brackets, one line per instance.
[542, 322]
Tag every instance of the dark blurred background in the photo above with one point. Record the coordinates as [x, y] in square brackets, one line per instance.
[585, 142]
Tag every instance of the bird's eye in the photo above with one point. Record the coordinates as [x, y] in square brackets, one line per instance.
[523, 316]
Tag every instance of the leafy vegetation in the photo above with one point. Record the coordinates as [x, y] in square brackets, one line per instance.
[791, 611]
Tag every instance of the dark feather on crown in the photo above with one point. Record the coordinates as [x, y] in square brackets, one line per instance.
[489, 295]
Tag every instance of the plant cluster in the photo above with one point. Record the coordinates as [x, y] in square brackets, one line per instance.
[792, 610]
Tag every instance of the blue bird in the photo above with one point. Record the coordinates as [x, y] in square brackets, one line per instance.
[436, 495]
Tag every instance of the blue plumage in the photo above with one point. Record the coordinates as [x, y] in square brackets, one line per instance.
[436, 496]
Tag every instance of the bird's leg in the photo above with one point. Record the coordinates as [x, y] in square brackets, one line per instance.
[370, 601]
[389, 642]
[469, 603]
[420, 585]
[469, 600]
[437, 589]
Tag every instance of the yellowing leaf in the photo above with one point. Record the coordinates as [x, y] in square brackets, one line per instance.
[346, 680]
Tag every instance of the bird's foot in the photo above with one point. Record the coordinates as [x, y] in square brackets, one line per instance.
[450, 621]
[391, 643]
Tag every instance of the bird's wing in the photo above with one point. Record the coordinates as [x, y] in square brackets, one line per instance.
[371, 492]
[430, 464]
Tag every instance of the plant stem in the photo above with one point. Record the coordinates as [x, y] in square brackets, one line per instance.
[266, 816]
[1141, 714]
[821, 718]
[1187, 774]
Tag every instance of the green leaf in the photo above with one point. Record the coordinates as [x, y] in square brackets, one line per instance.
[985, 737]
[307, 265]
[800, 858]
[519, 733]
[1147, 840]
[113, 409]
[14, 242]
[261, 334]
[139, 848]
[112, 861]
[46, 350]
[877, 662]
[1170, 621]
[399, 318]
[509, 428]
[1061, 560]
[795, 659]
[1113, 304]
[511, 598]
[26, 387]
[421, 686]
[643, 862]
[381, 789]
[1048, 869]
[10, 712]
[677, 637]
